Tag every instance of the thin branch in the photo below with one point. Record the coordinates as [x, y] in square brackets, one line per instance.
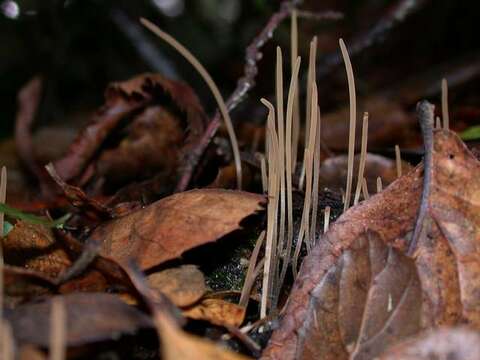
[425, 117]
[353, 115]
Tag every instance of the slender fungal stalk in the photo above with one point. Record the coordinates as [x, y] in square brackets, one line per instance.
[7, 349]
[353, 114]
[379, 185]
[309, 154]
[213, 88]
[438, 123]
[366, 195]
[269, 271]
[316, 180]
[263, 167]
[296, 101]
[281, 148]
[398, 161]
[249, 279]
[446, 121]
[289, 168]
[363, 158]
[310, 79]
[326, 219]
[57, 329]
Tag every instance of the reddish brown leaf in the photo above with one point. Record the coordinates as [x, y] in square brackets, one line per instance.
[90, 318]
[389, 123]
[358, 293]
[164, 230]
[333, 171]
[444, 343]
[159, 102]
[183, 285]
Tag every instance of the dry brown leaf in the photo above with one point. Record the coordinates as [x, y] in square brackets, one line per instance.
[183, 285]
[217, 311]
[178, 345]
[90, 317]
[147, 116]
[444, 343]
[167, 228]
[33, 247]
[359, 293]
[333, 171]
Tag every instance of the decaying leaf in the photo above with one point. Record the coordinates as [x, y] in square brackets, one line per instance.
[444, 343]
[216, 311]
[359, 292]
[183, 285]
[148, 115]
[333, 172]
[92, 317]
[33, 247]
[165, 229]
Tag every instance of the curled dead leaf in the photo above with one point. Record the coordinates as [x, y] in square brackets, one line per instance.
[153, 121]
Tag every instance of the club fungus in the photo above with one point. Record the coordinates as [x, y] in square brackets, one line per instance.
[57, 329]
[446, 121]
[296, 101]
[272, 209]
[379, 184]
[281, 146]
[398, 161]
[353, 114]
[363, 157]
[213, 88]
[7, 350]
[289, 162]
[326, 219]
[252, 271]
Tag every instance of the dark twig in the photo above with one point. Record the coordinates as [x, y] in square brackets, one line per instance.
[396, 14]
[244, 84]
[425, 114]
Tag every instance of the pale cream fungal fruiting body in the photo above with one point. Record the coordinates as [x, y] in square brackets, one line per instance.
[58, 332]
[213, 88]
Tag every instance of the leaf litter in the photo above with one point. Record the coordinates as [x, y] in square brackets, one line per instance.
[340, 256]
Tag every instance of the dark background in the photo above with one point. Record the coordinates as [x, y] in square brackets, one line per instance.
[79, 46]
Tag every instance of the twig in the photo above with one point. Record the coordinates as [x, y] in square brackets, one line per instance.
[244, 85]
[425, 117]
